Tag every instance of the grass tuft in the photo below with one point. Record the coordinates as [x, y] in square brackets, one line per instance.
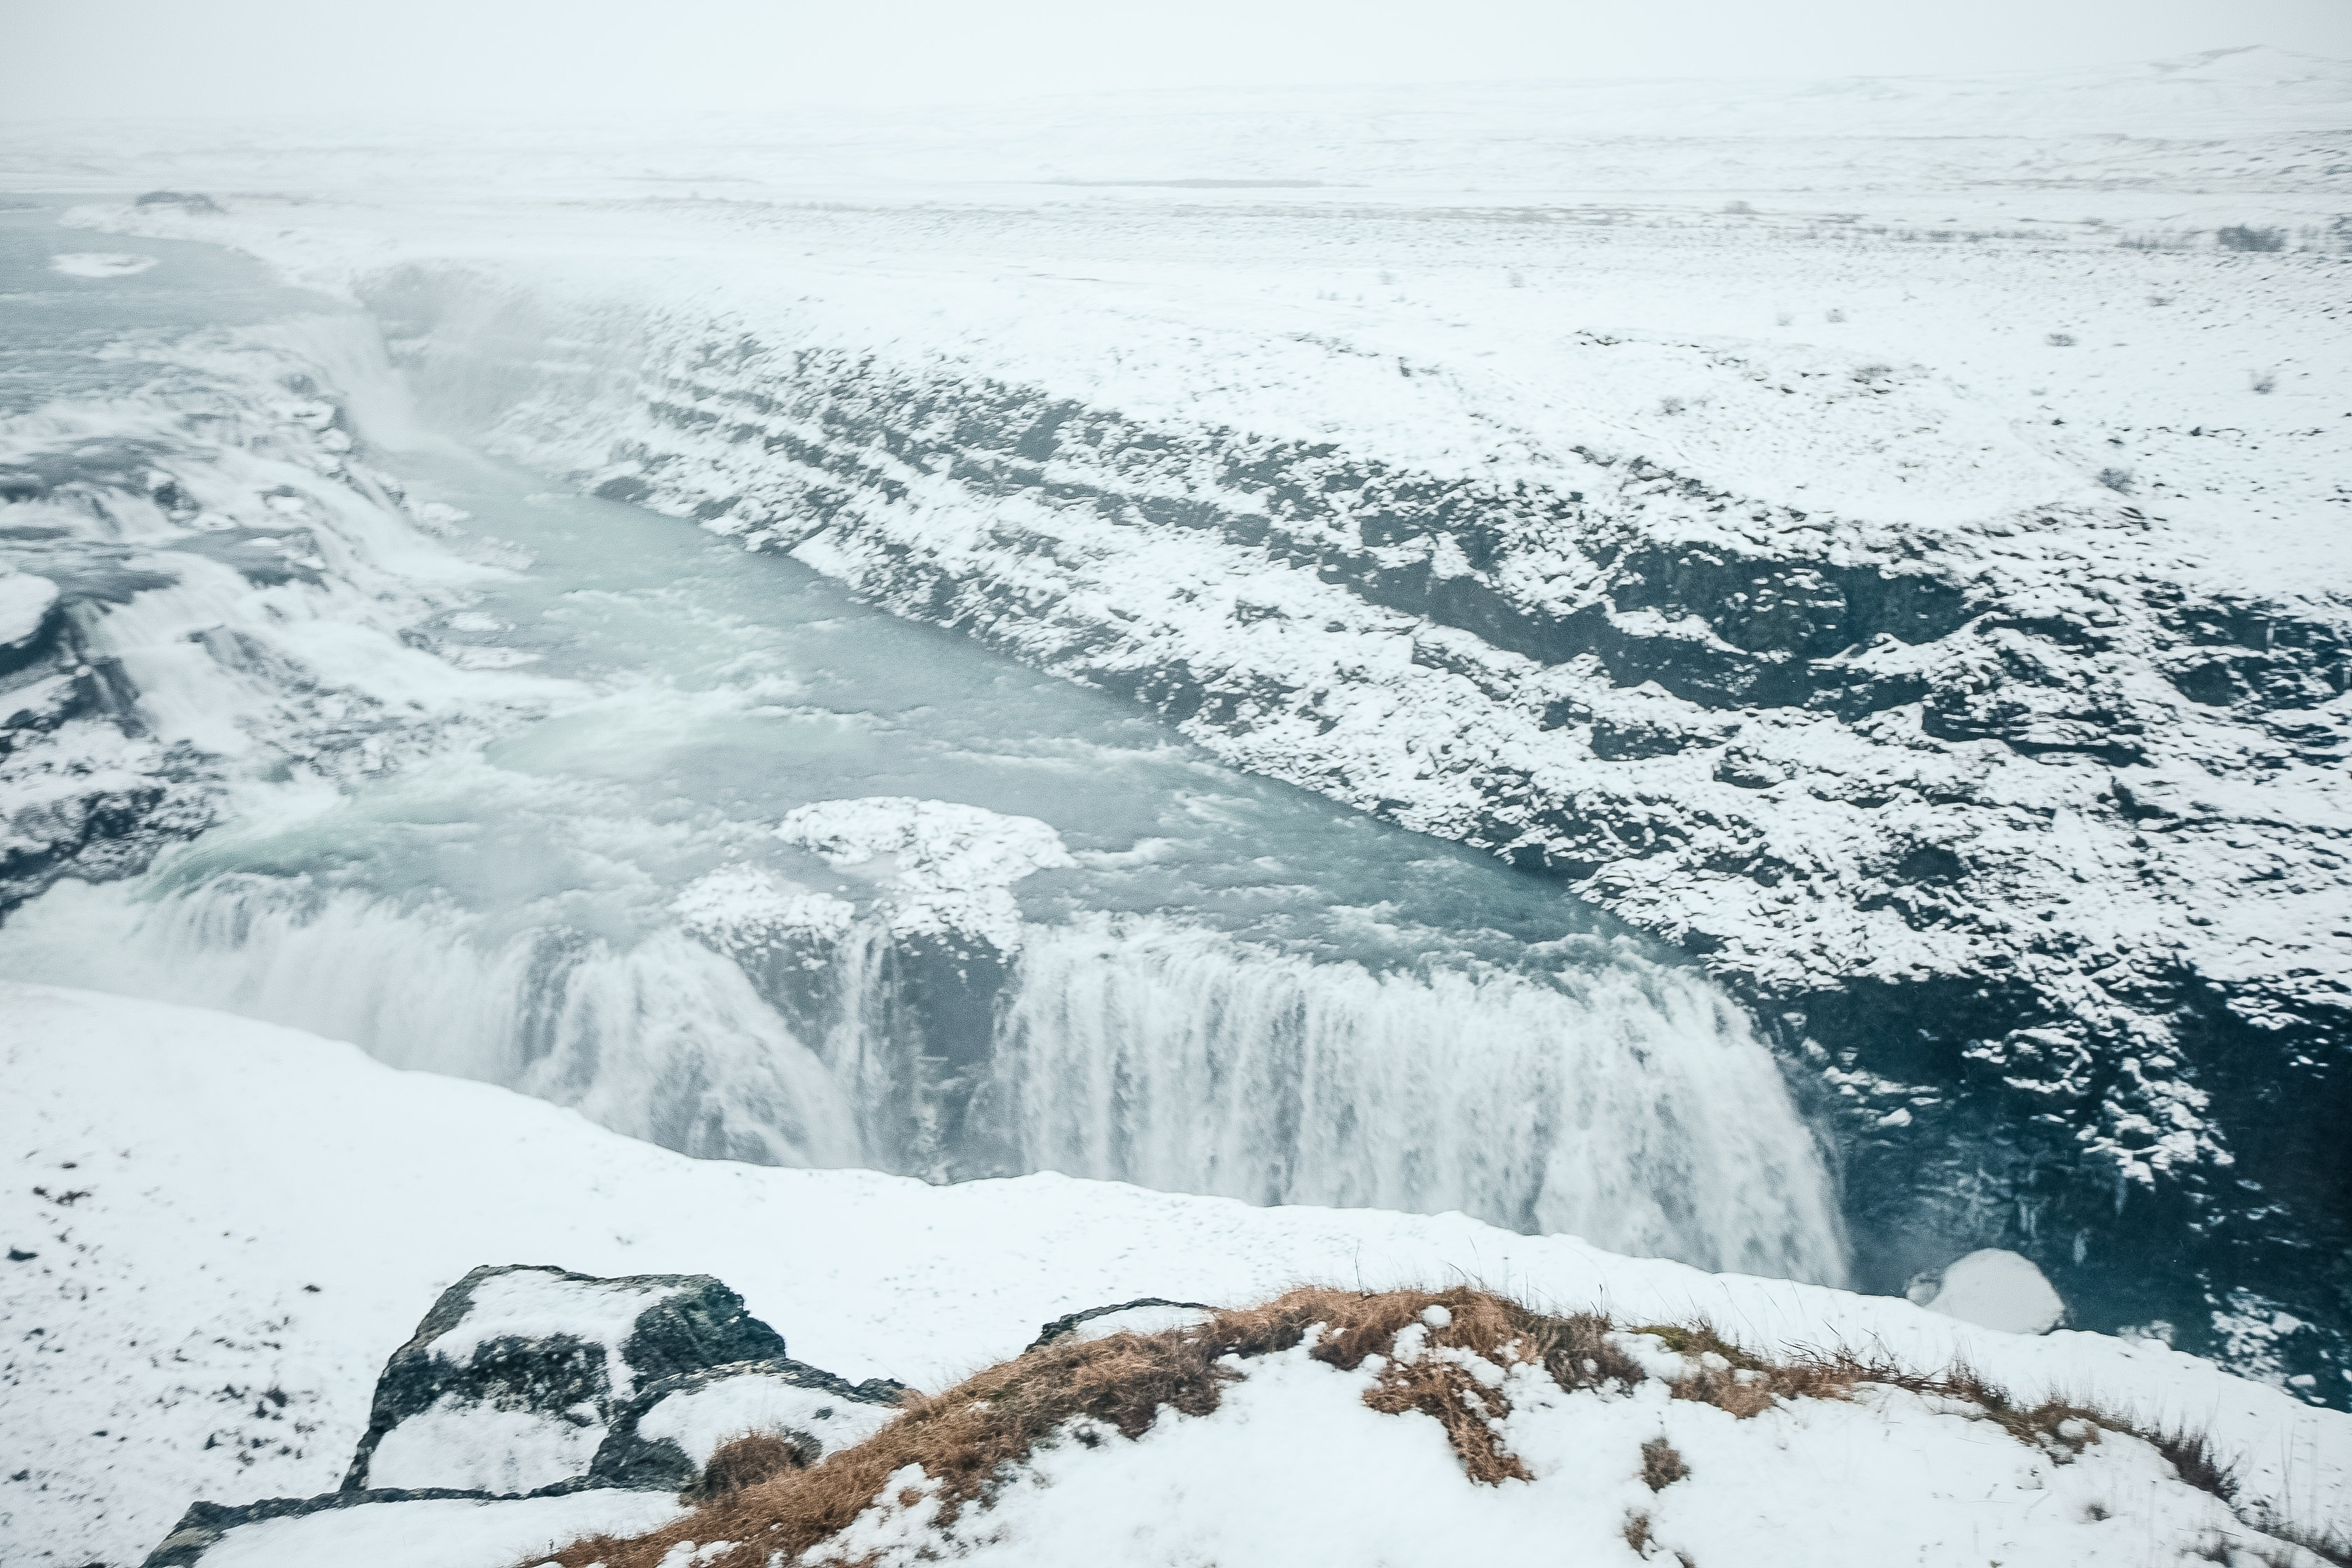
[761, 1495]
[748, 1460]
[1662, 1466]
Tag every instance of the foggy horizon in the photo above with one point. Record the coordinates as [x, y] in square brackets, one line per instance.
[266, 62]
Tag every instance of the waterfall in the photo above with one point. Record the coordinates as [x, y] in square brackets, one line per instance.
[1624, 1101]
[658, 1038]
[1613, 1098]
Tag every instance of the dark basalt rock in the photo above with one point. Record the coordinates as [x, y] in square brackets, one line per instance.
[1070, 1322]
[186, 201]
[203, 1526]
[1616, 739]
[626, 1460]
[690, 1322]
[692, 1335]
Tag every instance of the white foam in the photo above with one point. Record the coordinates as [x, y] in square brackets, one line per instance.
[99, 264]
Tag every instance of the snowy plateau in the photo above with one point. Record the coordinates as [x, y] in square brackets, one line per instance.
[1876, 549]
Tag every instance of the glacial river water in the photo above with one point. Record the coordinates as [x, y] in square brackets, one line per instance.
[502, 770]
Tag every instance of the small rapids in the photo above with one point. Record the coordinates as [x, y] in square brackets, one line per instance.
[531, 788]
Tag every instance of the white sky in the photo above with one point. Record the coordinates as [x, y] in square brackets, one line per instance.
[240, 60]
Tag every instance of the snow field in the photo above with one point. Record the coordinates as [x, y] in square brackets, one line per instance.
[228, 1225]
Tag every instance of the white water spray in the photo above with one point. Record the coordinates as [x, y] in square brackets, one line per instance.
[1626, 1103]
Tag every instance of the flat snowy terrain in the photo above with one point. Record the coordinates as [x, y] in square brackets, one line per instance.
[219, 1229]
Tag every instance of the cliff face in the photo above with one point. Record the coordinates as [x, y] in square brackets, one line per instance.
[2013, 798]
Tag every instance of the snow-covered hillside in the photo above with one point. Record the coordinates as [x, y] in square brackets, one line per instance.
[217, 1231]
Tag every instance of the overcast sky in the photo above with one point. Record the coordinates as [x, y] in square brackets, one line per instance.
[244, 60]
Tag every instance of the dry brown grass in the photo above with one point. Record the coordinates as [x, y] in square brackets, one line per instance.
[968, 1440]
[747, 1460]
[1662, 1465]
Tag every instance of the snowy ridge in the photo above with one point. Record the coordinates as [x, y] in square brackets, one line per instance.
[175, 1248]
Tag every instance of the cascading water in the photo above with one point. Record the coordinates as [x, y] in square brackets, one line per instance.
[1626, 1103]
[566, 797]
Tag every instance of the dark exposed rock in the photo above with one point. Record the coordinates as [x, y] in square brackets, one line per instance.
[673, 1332]
[1069, 1324]
[203, 1526]
[186, 201]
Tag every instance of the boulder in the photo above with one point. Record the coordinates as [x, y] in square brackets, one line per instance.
[511, 1382]
[531, 1399]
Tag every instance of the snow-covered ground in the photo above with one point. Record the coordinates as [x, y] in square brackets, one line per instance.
[217, 1231]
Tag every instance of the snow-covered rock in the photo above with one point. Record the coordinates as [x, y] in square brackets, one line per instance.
[662, 1438]
[25, 601]
[1148, 1315]
[511, 1380]
[949, 868]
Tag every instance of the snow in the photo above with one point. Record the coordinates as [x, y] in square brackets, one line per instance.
[465, 1446]
[746, 910]
[1293, 1467]
[1141, 1321]
[442, 1532]
[699, 1420]
[220, 1213]
[1998, 1289]
[954, 864]
[24, 604]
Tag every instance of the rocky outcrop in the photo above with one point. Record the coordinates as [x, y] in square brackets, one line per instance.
[85, 790]
[1145, 1314]
[512, 1382]
[527, 1382]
